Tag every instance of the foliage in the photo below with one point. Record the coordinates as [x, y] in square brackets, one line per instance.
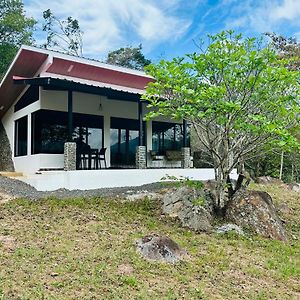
[64, 35]
[286, 48]
[130, 57]
[237, 95]
[268, 163]
[174, 181]
[15, 29]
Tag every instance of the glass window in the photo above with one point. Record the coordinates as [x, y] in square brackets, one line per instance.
[168, 136]
[50, 131]
[29, 97]
[21, 134]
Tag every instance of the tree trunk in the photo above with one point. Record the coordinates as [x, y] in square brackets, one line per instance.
[221, 181]
[281, 165]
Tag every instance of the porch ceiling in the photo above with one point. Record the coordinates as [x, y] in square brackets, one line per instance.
[27, 64]
[69, 85]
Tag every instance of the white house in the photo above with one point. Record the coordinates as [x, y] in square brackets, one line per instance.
[49, 98]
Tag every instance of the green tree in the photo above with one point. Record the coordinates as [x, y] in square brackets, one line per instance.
[130, 57]
[286, 48]
[63, 35]
[237, 95]
[15, 29]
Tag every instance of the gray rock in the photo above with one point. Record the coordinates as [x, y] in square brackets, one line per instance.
[6, 163]
[230, 228]
[142, 195]
[193, 207]
[295, 187]
[160, 248]
[268, 180]
[255, 210]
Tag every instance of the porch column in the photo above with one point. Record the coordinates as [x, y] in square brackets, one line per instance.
[185, 151]
[185, 157]
[184, 139]
[106, 130]
[70, 156]
[141, 152]
[29, 135]
[141, 127]
[70, 116]
[70, 146]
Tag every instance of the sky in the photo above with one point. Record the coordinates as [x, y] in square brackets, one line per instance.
[166, 28]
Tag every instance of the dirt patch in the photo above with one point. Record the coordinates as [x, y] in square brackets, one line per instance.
[125, 269]
[5, 198]
[8, 242]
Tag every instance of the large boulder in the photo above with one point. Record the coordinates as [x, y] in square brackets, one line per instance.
[255, 210]
[192, 206]
[160, 248]
[6, 162]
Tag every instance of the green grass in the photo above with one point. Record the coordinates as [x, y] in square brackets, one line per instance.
[72, 249]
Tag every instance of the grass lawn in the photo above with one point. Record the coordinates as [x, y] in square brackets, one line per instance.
[75, 249]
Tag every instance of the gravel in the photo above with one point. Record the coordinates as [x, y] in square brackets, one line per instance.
[18, 189]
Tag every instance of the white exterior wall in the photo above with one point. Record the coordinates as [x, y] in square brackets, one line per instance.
[82, 103]
[95, 179]
[29, 163]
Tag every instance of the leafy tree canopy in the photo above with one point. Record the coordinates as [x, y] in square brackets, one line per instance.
[238, 96]
[130, 57]
[287, 48]
[15, 29]
[63, 35]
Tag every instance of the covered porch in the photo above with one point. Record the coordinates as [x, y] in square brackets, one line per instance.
[69, 124]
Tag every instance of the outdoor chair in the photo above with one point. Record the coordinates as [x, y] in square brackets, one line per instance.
[82, 155]
[101, 156]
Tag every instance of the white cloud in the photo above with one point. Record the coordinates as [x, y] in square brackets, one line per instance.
[256, 15]
[111, 24]
[289, 9]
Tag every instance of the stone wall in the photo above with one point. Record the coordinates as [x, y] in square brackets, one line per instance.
[6, 162]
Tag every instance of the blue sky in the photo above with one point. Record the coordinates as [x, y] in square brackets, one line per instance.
[167, 28]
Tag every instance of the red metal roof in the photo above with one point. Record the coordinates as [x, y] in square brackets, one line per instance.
[31, 62]
[27, 65]
[95, 73]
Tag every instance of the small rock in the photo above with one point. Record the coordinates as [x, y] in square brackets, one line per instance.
[160, 248]
[295, 187]
[230, 228]
[268, 180]
[142, 196]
